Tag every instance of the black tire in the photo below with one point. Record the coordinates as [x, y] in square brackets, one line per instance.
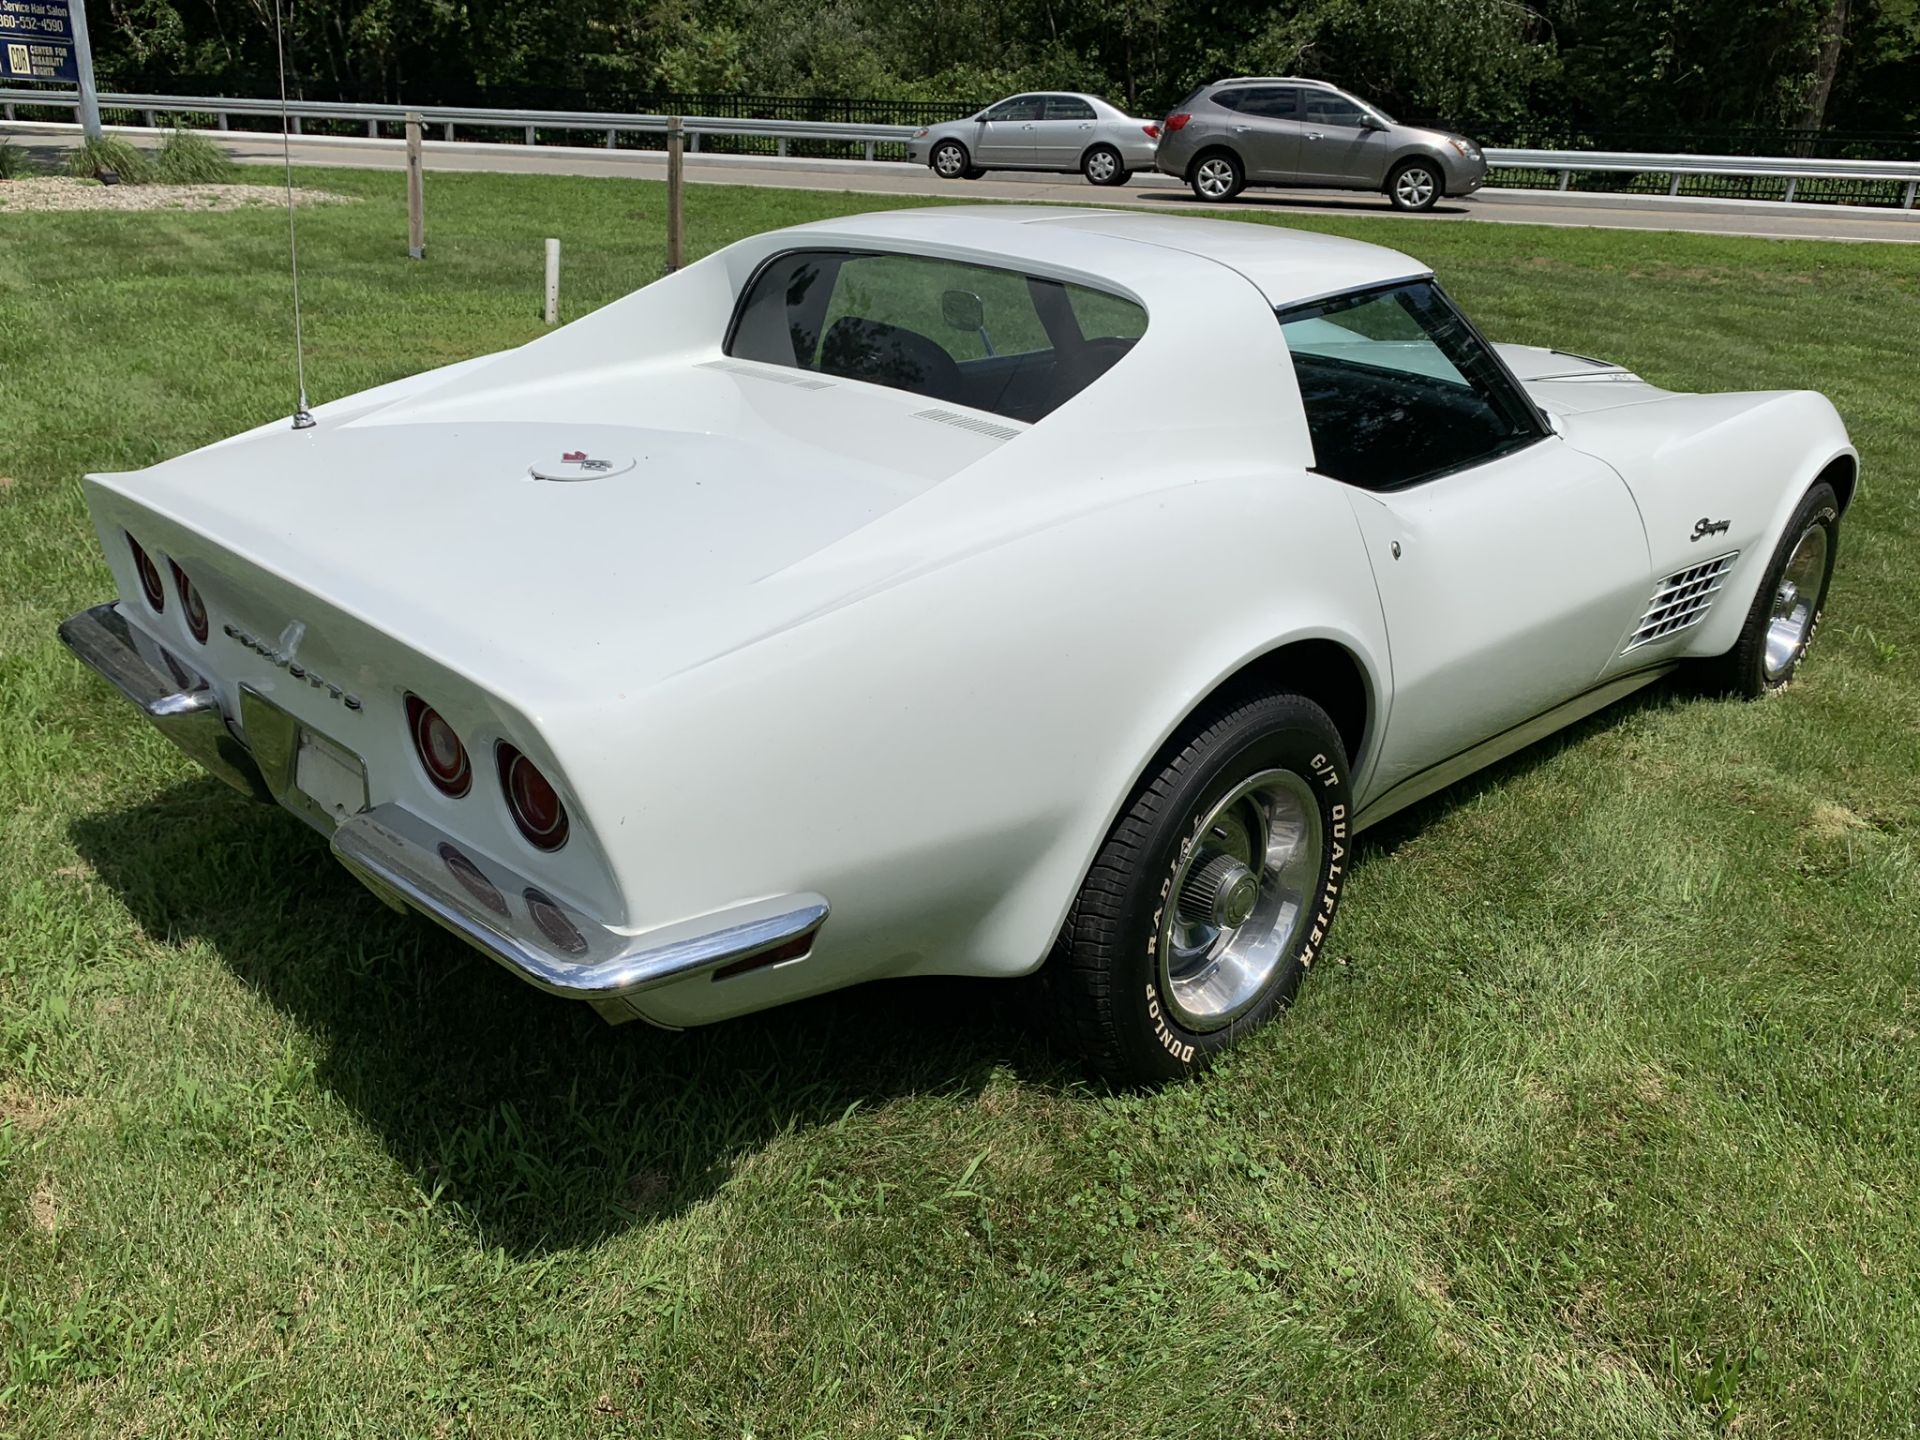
[1209, 168]
[1405, 190]
[1748, 669]
[972, 172]
[1108, 978]
[1102, 165]
[949, 160]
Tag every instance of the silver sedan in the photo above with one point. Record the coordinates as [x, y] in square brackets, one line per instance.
[1060, 132]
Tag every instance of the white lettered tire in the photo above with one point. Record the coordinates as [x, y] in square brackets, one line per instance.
[1213, 894]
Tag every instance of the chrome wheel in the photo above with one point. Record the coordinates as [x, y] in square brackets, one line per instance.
[949, 161]
[1796, 602]
[1101, 166]
[1214, 178]
[1414, 187]
[1239, 898]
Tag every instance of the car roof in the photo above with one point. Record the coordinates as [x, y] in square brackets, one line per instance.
[1275, 80]
[1288, 266]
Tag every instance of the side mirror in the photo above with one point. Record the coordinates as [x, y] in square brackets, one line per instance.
[1372, 122]
[963, 310]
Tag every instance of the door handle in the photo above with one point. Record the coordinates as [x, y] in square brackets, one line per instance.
[1241, 129]
[1316, 134]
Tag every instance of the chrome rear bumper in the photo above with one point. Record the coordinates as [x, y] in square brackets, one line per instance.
[179, 702]
[411, 865]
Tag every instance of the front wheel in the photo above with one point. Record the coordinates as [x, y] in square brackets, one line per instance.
[1786, 610]
[1102, 165]
[1217, 177]
[1414, 185]
[1212, 896]
[949, 160]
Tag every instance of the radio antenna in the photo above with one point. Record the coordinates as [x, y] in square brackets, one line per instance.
[302, 420]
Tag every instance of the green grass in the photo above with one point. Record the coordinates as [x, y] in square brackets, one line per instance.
[1598, 1119]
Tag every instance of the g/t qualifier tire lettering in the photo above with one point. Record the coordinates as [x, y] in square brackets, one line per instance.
[1105, 976]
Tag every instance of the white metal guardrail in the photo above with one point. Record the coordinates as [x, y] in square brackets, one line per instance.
[1565, 163]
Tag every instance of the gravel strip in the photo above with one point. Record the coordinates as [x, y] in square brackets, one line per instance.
[59, 192]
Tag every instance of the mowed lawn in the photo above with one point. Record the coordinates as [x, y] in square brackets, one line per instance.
[1601, 1116]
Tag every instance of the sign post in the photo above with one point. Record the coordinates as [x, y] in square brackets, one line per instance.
[47, 40]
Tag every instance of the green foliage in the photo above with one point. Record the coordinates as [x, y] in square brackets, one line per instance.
[1520, 69]
[13, 161]
[189, 158]
[133, 165]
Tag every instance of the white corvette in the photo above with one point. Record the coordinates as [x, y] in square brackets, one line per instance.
[954, 591]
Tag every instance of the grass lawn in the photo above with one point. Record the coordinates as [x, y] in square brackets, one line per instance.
[1599, 1119]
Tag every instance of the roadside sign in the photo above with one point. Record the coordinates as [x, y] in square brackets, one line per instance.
[36, 41]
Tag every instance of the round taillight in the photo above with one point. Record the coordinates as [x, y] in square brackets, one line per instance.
[441, 754]
[534, 802]
[191, 604]
[553, 923]
[149, 576]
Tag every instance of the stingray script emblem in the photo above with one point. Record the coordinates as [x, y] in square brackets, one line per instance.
[1704, 527]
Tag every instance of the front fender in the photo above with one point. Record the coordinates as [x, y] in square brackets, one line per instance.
[1695, 461]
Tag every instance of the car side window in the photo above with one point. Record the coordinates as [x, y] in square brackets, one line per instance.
[1398, 387]
[1230, 99]
[1021, 107]
[1326, 109]
[1272, 103]
[1068, 107]
[1015, 344]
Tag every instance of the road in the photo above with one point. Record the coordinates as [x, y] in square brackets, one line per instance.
[1767, 219]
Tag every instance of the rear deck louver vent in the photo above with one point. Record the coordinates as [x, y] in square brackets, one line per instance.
[1682, 600]
[968, 422]
[798, 379]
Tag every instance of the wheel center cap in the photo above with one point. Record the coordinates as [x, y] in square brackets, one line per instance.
[1222, 893]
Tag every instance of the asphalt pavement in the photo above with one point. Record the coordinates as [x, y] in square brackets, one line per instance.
[1769, 219]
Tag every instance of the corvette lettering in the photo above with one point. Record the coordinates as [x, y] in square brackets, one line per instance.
[293, 667]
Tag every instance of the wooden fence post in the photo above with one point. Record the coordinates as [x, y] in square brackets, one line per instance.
[676, 143]
[416, 191]
[553, 282]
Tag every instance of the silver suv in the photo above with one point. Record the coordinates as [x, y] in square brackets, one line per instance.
[1287, 131]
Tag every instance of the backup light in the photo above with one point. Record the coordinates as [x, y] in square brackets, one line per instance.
[149, 573]
[441, 754]
[535, 804]
[191, 604]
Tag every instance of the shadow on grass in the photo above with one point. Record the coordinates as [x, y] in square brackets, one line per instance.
[1344, 202]
[549, 1128]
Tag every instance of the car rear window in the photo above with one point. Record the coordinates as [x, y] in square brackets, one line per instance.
[999, 340]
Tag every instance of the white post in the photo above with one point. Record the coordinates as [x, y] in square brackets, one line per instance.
[1793, 185]
[553, 282]
[1674, 188]
[676, 144]
[1565, 176]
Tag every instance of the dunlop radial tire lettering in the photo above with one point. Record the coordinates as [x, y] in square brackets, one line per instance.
[1103, 978]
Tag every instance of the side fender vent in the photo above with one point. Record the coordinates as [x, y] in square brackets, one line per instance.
[798, 379]
[969, 422]
[1682, 600]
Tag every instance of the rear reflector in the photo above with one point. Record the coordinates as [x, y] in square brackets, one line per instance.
[1178, 122]
[534, 802]
[554, 924]
[441, 754]
[190, 602]
[793, 949]
[149, 573]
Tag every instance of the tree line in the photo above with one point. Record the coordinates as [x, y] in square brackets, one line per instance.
[1512, 71]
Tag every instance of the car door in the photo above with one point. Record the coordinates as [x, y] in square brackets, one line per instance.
[1336, 145]
[1005, 137]
[1509, 565]
[1062, 133]
[1267, 132]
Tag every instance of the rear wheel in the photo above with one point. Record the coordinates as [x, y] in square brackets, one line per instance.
[1102, 165]
[1217, 176]
[1414, 185]
[1212, 895]
[949, 160]
[1786, 609]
